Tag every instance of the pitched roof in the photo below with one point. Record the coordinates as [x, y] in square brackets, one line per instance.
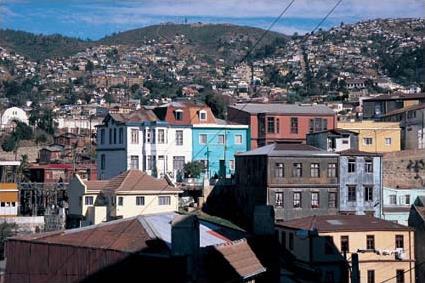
[280, 108]
[141, 115]
[288, 149]
[397, 96]
[342, 223]
[241, 257]
[132, 181]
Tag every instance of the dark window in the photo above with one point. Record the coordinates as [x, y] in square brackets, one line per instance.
[283, 238]
[399, 242]
[164, 200]
[297, 170]
[121, 136]
[315, 170]
[110, 136]
[351, 165]
[178, 162]
[179, 137]
[351, 193]
[270, 125]
[102, 136]
[393, 199]
[120, 201]
[279, 170]
[279, 199]
[277, 125]
[371, 276]
[140, 201]
[134, 162]
[161, 136]
[89, 200]
[294, 125]
[291, 241]
[370, 242]
[115, 135]
[102, 162]
[311, 125]
[332, 200]
[400, 276]
[178, 115]
[345, 244]
[314, 200]
[368, 193]
[332, 170]
[297, 200]
[368, 166]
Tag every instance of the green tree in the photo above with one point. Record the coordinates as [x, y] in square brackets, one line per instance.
[193, 169]
[217, 104]
[11, 144]
[23, 131]
[23, 169]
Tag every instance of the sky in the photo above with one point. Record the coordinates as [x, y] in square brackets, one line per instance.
[97, 18]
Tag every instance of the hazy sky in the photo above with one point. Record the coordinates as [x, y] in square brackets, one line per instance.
[94, 19]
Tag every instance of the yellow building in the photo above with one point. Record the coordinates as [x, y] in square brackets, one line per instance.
[385, 249]
[129, 194]
[9, 193]
[375, 136]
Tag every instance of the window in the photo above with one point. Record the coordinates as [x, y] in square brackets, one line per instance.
[317, 125]
[202, 139]
[102, 162]
[370, 242]
[140, 201]
[202, 115]
[134, 136]
[134, 162]
[332, 170]
[368, 166]
[153, 136]
[148, 136]
[89, 200]
[351, 193]
[232, 165]
[178, 162]
[297, 200]
[164, 200]
[179, 137]
[367, 141]
[277, 125]
[291, 241]
[406, 200]
[178, 114]
[399, 241]
[102, 136]
[283, 238]
[345, 244]
[279, 199]
[314, 200]
[161, 136]
[238, 139]
[220, 139]
[371, 276]
[368, 193]
[297, 170]
[332, 200]
[388, 141]
[400, 276]
[115, 135]
[314, 170]
[110, 136]
[270, 125]
[393, 199]
[151, 162]
[121, 136]
[294, 125]
[279, 170]
[351, 165]
[120, 201]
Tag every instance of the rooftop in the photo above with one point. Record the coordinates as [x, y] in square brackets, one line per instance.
[368, 125]
[288, 149]
[280, 108]
[406, 109]
[397, 96]
[355, 152]
[342, 223]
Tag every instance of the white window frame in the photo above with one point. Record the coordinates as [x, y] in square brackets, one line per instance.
[238, 137]
[164, 200]
[388, 141]
[203, 113]
[201, 138]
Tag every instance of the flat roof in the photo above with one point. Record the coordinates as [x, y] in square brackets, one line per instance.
[281, 108]
[397, 96]
[288, 149]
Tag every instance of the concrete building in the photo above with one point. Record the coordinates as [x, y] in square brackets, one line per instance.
[375, 136]
[281, 122]
[398, 201]
[335, 140]
[165, 247]
[12, 114]
[385, 250]
[298, 180]
[417, 222]
[360, 178]
[9, 194]
[126, 195]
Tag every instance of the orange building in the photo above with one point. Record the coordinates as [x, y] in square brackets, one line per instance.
[9, 193]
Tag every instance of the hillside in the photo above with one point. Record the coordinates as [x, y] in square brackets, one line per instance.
[39, 47]
[221, 40]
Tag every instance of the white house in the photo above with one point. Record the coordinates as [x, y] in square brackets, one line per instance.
[11, 114]
[139, 140]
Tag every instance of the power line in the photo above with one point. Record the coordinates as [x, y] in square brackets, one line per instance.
[408, 270]
[327, 15]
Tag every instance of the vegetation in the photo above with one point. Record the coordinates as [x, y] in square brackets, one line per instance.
[12, 142]
[7, 230]
[217, 104]
[193, 169]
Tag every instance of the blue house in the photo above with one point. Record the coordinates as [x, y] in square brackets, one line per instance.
[215, 145]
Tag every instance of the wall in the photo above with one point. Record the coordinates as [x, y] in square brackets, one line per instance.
[129, 207]
[400, 211]
[213, 151]
[417, 222]
[360, 179]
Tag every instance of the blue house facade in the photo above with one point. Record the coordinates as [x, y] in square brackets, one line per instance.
[215, 145]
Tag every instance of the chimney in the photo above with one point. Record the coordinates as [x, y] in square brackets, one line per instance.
[185, 242]
[263, 220]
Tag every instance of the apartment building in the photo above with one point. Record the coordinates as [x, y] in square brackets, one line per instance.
[9, 194]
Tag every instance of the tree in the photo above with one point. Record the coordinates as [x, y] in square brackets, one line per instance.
[23, 131]
[7, 230]
[89, 66]
[217, 104]
[23, 169]
[11, 144]
[193, 169]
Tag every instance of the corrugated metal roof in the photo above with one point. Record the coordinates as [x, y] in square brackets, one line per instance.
[280, 108]
[288, 149]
